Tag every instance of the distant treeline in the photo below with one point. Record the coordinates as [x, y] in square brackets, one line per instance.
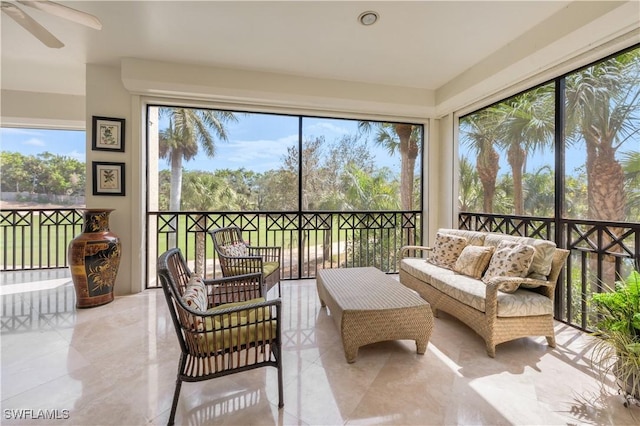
[44, 173]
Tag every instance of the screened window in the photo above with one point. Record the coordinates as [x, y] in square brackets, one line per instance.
[214, 160]
[602, 131]
[507, 156]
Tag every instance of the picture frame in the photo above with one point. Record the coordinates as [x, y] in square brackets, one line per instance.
[108, 178]
[108, 134]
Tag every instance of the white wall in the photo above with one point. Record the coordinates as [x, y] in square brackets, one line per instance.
[107, 97]
[42, 110]
[274, 91]
[442, 206]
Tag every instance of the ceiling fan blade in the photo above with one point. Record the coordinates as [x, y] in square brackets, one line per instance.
[29, 24]
[65, 12]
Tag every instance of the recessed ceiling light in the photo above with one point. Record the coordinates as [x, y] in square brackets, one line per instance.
[368, 18]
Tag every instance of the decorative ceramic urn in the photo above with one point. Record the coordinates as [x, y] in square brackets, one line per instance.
[94, 258]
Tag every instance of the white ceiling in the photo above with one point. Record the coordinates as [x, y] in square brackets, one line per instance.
[417, 44]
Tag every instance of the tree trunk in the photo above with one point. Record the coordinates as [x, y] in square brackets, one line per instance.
[326, 245]
[176, 182]
[606, 197]
[408, 155]
[175, 194]
[605, 183]
[200, 246]
[516, 156]
[488, 164]
[409, 150]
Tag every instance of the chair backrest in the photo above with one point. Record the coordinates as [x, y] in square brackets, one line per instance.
[174, 274]
[176, 269]
[228, 236]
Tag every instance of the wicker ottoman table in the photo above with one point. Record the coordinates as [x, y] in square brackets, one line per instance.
[368, 306]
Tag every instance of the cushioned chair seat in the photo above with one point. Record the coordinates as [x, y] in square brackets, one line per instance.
[239, 335]
[268, 268]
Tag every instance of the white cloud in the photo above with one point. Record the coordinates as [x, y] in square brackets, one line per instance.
[80, 156]
[251, 153]
[325, 127]
[34, 142]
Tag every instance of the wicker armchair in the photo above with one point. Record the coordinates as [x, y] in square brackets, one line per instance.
[224, 326]
[237, 257]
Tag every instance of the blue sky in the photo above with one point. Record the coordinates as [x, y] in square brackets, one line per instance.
[70, 143]
[257, 142]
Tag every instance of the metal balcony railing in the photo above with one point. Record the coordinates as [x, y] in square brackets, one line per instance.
[309, 241]
[36, 238]
[601, 252]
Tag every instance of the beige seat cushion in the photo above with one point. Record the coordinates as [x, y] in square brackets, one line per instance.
[422, 269]
[472, 293]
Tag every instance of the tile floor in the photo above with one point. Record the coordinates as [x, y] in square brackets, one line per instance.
[116, 364]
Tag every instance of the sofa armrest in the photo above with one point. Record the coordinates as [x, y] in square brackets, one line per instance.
[404, 250]
[491, 295]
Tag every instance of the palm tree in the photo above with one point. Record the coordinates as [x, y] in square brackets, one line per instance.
[369, 191]
[406, 139]
[603, 102]
[480, 134]
[538, 187]
[469, 188]
[205, 192]
[527, 125]
[376, 190]
[189, 129]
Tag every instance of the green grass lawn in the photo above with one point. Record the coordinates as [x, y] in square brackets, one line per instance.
[33, 247]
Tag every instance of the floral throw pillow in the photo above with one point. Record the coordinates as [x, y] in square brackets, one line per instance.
[473, 261]
[235, 250]
[510, 259]
[446, 250]
[195, 296]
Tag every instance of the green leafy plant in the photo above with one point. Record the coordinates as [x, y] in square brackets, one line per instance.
[618, 349]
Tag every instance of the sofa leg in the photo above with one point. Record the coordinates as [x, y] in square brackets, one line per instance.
[491, 350]
[551, 340]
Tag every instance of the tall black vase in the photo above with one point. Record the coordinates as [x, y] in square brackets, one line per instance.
[94, 259]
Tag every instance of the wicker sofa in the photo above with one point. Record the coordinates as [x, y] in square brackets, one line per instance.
[498, 307]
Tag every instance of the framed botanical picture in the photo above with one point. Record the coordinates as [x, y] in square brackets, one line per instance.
[108, 134]
[108, 178]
